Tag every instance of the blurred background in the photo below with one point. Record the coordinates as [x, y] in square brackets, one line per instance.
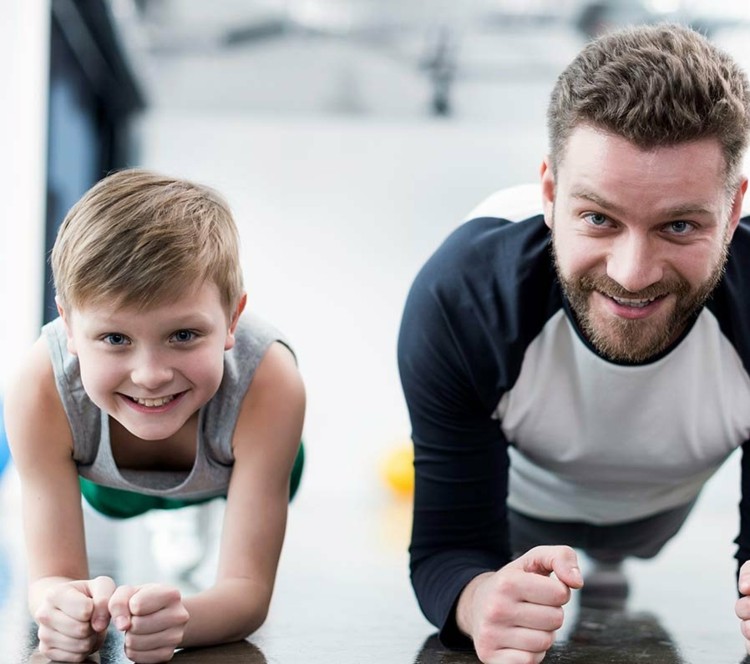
[349, 137]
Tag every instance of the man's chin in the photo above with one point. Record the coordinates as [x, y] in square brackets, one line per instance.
[618, 352]
[629, 341]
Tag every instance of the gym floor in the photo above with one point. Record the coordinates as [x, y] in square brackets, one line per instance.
[343, 594]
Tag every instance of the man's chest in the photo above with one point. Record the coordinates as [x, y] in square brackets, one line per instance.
[574, 413]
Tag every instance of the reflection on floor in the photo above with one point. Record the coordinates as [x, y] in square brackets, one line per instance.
[343, 594]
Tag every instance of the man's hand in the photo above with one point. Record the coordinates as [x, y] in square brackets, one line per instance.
[73, 619]
[512, 614]
[153, 618]
[742, 607]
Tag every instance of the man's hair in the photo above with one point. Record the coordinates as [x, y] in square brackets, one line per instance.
[655, 86]
[140, 239]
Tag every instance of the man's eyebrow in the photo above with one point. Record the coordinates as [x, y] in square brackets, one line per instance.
[688, 209]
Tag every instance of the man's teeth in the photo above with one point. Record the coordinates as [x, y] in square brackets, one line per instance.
[628, 302]
[153, 403]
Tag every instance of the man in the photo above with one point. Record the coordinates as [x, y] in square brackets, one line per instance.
[574, 378]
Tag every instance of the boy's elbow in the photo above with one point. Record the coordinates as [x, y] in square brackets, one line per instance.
[250, 625]
[250, 618]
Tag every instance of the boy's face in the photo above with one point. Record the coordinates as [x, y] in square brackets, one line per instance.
[152, 369]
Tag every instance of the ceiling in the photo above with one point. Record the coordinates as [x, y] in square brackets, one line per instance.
[382, 57]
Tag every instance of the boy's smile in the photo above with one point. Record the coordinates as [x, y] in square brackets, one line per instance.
[152, 370]
[154, 405]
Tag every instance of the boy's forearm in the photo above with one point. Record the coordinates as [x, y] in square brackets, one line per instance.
[229, 611]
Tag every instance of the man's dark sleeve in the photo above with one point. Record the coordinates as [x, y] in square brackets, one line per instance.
[743, 539]
[461, 459]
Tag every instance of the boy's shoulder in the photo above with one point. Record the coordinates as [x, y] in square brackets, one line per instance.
[33, 407]
[36, 376]
[254, 336]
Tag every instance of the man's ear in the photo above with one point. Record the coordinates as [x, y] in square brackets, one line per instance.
[548, 190]
[229, 343]
[736, 209]
[64, 315]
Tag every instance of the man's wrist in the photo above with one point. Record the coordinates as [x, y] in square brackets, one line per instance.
[465, 604]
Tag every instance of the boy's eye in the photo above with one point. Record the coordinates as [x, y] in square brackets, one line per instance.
[116, 339]
[183, 335]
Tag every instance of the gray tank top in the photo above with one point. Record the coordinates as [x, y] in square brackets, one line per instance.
[210, 474]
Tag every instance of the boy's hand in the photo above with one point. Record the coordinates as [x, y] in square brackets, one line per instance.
[73, 619]
[512, 614]
[742, 607]
[153, 618]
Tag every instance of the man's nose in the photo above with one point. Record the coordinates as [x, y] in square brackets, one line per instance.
[634, 262]
[151, 370]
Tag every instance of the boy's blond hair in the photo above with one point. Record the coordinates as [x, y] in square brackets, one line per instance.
[140, 239]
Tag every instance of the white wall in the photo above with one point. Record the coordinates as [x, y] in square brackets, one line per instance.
[336, 217]
[24, 30]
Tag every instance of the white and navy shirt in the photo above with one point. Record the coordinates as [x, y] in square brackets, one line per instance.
[511, 406]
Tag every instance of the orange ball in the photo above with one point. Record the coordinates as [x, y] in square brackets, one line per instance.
[397, 470]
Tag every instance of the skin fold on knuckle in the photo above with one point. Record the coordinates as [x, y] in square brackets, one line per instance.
[83, 631]
[485, 654]
[561, 596]
[150, 656]
[490, 642]
[558, 619]
[512, 656]
[497, 614]
[545, 641]
[43, 615]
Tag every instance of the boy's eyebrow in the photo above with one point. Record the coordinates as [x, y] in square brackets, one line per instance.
[687, 209]
[123, 320]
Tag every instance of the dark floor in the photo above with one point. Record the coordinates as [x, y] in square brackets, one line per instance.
[343, 595]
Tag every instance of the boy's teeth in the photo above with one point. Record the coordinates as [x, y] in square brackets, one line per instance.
[153, 403]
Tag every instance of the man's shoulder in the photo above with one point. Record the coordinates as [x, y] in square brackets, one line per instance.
[515, 203]
[491, 273]
[739, 250]
[501, 236]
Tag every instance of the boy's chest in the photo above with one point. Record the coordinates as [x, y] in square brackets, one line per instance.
[176, 453]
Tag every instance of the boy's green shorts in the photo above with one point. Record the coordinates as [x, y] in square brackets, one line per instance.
[121, 504]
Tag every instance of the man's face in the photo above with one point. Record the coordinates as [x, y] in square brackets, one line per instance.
[151, 370]
[640, 237]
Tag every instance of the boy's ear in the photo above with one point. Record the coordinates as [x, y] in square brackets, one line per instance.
[66, 323]
[229, 343]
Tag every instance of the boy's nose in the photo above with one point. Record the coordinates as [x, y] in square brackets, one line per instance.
[151, 374]
[634, 263]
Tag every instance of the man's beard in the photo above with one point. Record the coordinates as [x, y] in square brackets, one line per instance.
[636, 340]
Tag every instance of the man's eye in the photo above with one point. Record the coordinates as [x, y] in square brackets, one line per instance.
[116, 339]
[183, 335]
[680, 227]
[596, 219]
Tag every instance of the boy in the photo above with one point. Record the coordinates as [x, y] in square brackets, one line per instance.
[154, 388]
